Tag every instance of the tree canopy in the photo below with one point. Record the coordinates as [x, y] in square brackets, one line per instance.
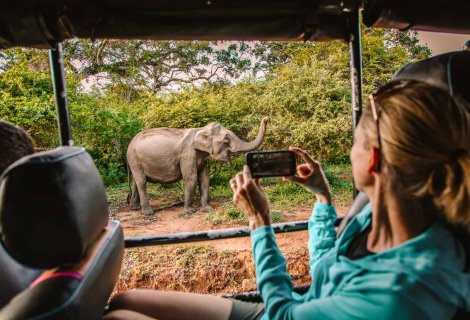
[156, 65]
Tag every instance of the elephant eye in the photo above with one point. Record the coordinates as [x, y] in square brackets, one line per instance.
[226, 141]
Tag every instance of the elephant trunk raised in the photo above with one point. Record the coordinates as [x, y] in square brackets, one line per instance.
[239, 145]
[166, 155]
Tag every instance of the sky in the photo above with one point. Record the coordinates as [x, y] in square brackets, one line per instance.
[443, 42]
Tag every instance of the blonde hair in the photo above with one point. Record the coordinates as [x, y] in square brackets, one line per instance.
[425, 143]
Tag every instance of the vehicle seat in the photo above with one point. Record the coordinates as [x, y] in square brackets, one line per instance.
[14, 277]
[54, 217]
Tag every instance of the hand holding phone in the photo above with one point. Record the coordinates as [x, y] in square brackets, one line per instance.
[271, 163]
[310, 175]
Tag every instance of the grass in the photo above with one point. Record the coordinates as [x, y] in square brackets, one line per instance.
[117, 194]
[283, 196]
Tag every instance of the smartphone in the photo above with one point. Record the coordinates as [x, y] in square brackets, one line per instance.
[271, 163]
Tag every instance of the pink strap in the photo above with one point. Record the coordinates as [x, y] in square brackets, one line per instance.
[75, 275]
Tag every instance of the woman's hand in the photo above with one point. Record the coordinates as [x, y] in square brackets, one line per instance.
[250, 199]
[311, 176]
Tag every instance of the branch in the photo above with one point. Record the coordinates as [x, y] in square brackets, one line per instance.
[103, 44]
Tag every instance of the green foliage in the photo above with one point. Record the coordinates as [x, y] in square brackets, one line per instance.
[105, 129]
[103, 125]
[306, 93]
[26, 95]
[307, 104]
[385, 52]
[340, 179]
[303, 87]
[132, 65]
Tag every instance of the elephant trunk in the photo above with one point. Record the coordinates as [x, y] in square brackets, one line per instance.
[239, 145]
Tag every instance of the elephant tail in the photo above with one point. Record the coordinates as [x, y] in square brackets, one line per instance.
[129, 178]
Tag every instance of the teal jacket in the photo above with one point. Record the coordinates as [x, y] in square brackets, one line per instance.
[423, 278]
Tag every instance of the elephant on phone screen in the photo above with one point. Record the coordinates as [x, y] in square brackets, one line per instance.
[166, 155]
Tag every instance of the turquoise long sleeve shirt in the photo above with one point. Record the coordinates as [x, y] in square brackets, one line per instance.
[423, 278]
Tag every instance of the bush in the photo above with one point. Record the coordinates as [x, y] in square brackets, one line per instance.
[103, 125]
[308, 107]
[26, 98]
[105, 131]
[307, 97]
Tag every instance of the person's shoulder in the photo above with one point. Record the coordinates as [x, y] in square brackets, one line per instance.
[439, 245]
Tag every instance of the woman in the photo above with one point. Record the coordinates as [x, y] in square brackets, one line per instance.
[396, 259]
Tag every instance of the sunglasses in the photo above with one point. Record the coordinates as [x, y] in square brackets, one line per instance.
[387, 89]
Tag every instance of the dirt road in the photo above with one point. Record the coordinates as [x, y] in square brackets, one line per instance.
[218, 266]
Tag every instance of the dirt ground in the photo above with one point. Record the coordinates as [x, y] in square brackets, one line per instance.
[216, 267]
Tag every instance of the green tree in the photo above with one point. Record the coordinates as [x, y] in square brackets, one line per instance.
[103, 125]
[303, 87]
[305, 91]
[156, 65]
[384, 52]
[26, 97]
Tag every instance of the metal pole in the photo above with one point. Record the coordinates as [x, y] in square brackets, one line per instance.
[60, 92]
[355, 64]
[208, 235]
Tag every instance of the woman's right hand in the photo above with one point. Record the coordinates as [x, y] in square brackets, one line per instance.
[311, 176]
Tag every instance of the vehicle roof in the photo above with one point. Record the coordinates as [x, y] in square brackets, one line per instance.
[41, 23]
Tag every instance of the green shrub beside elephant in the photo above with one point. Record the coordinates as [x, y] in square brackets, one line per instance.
[166, 155]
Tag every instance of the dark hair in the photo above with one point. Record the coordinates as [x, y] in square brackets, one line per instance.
[15, 143]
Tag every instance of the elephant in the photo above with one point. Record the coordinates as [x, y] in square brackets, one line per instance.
[167, 155]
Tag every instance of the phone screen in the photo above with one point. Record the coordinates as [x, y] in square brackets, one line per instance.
[271, 163]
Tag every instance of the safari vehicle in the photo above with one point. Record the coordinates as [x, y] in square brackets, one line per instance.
[61, 229]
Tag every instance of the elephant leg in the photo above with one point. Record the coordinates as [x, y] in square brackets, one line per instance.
[141, 183]
[189, 180]
[135, 199]
[203, 181]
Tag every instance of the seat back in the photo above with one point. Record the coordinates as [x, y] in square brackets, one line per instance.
[448, 71]
[54, 217]
[14, 277]
[359, 202]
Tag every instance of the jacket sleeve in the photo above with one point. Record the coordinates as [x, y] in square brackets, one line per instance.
[357, 302]
[322, 232]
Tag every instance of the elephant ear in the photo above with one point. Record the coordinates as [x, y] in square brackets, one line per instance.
[203, 141]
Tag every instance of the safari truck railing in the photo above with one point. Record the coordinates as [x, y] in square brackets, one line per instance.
[195, 236]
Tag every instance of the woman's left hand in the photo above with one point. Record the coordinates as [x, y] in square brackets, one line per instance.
[250, 199]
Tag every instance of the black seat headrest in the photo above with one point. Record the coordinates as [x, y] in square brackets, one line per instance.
[448, 71]
[52, 207]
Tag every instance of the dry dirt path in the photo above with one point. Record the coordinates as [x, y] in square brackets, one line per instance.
[167, 221]
[217, 266]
